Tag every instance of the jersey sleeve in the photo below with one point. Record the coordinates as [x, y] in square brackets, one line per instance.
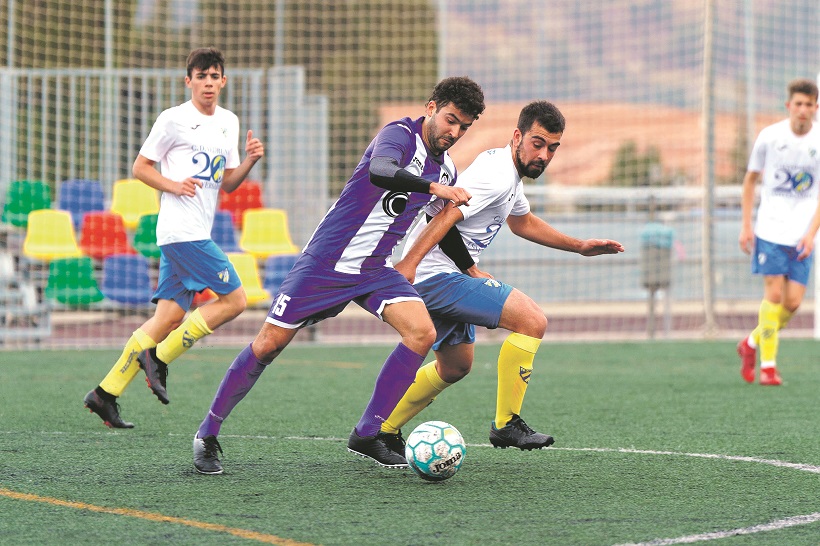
[483, 187]
[521, 205]
[160, 139]
[758, 158]
[397, 141]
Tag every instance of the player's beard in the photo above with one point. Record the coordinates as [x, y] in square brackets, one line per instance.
[438, 143]
[533, 169]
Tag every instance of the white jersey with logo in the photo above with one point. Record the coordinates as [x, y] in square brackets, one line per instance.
[791, 173]
[190, 144]
[497, 191]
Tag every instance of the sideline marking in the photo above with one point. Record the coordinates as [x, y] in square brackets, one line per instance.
[152, 516]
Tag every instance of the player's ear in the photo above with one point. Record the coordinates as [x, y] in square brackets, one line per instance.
[431, 108]
[187, 81]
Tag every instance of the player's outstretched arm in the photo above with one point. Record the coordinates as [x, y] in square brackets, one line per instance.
[386, 173]
[534, 229]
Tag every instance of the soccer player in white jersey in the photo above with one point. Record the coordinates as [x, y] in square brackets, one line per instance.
[196, 146]
[459, 296]
[782, 241]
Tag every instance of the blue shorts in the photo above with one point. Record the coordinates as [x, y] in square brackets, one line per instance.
[773, 259]
[458, 302]
[314, 291]
[190, 267]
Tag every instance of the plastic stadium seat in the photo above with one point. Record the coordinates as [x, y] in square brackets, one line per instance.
[247, 196]
[103, 234]
[246, 268]
[266, 233]
[276, 268]
[22, 197]
[71, 281]
[131, 199]
[126, 279]
[145, 236]
[80, 196]
[50, 235]
[223, 232]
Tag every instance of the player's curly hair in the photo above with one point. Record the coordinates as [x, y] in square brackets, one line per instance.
[545, 113]
[462, 92]
[804, 86]
[204, 58]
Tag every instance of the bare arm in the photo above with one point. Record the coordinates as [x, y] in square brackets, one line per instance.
[144, 171]
[534, 229]
[254, 151]
[427, 239]
[747, 201]
[806, 244]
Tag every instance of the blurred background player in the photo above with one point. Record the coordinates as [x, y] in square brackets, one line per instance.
[788, 217]
[459, 296]
[196, 145]
[348, 259]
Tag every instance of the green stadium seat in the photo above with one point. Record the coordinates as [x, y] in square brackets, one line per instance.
[22, 197]
[145, 236]
[71, 281]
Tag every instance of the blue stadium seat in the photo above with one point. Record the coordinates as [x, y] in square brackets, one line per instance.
[276, 268]
[79, 196]
[223, 232]
[126, 279]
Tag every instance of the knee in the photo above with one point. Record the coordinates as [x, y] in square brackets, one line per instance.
[421, 338]
[452, 373]
[533, 325]
[266, 346]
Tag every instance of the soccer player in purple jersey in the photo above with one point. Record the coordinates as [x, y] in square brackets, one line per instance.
[348, 259]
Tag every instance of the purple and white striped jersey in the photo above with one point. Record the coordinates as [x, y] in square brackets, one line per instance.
[362, 228]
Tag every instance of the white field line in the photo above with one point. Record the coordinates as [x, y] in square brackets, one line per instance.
[688, 539]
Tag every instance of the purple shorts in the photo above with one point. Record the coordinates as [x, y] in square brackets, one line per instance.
[313, 291]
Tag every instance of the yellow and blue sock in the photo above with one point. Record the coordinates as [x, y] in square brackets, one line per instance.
[514, 370]
[183, 338]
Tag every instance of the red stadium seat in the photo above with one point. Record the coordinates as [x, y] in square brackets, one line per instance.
[103, 234]
[247, 196]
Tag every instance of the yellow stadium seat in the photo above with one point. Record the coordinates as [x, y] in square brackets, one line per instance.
[50, 235]
[248, 272]
[265, 232]
[132, 199]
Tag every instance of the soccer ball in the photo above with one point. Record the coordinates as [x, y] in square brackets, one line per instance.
[435, 450]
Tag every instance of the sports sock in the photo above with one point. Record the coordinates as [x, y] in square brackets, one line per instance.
[783, 316]
[238, 381]
[396, 375]
[183, 338]
[514, 370]
[427, 385]
[768, 321]
[127, 366]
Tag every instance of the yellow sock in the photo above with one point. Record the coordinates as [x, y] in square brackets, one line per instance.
[783, 316]
[183, 338]
[127, 366]
[427, 385]
[768, 322]
[514, 370]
